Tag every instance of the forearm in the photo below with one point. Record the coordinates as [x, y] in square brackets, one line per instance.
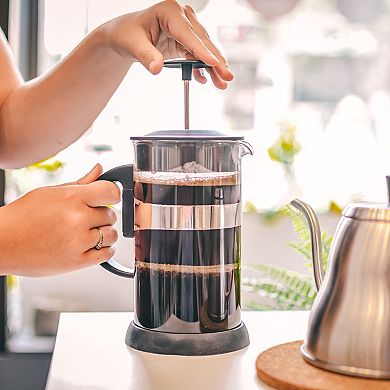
[8, 243]
[42, 117]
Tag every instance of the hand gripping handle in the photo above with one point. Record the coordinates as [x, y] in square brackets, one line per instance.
[124, 175]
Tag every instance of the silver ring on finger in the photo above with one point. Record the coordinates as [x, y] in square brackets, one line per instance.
[99, 244]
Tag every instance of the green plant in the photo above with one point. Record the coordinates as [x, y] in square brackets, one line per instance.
[278, 289]
[302, 244]
[275, 288]
[49, 165]
[285, 148]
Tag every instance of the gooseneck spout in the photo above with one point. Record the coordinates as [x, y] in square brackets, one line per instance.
[315, 234]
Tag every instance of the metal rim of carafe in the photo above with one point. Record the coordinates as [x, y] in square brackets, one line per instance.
[191, 138]
[343, 369]
[187, 135]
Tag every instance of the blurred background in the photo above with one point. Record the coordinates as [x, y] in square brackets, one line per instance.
[311, 94]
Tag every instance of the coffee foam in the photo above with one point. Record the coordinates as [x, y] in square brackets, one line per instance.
[187, 269]
[191, 167]
[189, 174]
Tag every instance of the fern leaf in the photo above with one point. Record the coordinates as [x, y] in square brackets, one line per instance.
[288, 290]
[300, 249]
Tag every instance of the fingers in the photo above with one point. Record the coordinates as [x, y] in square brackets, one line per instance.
[110, 236]
[218, 82]
[184, 34]
[146, 53]
[101, 216]
[201, 32]
[197, 73]
[220, 72]
[177, 25]
[184, 27]
[92, 175]
[199, 76]
[94, 256]
[99, 193]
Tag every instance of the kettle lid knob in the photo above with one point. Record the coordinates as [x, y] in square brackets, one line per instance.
[368, 211]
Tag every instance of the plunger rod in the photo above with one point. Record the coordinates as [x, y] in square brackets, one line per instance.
[186, 104]
[186, 75]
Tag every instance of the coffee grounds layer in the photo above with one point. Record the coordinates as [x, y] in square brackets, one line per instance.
[187, 269]
[187, 178]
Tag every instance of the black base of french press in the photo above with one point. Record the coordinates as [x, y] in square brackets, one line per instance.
[187, 344]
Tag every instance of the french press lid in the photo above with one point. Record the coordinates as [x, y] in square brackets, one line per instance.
[186, 135]
[368, 211]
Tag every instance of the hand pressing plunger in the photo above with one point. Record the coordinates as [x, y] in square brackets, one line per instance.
[62, 228]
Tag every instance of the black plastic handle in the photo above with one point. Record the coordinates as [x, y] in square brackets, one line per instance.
[124, 175]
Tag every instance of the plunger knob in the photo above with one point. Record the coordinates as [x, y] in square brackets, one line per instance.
[186, 67]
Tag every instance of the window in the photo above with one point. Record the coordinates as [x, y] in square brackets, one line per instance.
[318, 71]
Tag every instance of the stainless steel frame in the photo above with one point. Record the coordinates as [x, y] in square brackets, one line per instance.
[190, 217]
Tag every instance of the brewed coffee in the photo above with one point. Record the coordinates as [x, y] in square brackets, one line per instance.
[187, 279]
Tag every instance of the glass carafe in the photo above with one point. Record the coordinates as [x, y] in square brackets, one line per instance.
[186, 220]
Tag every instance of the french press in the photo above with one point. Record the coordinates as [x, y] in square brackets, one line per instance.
[182, 204]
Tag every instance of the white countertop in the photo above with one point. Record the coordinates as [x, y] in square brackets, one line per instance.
[90, 353]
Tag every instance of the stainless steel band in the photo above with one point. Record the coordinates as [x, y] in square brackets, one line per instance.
[150, 216]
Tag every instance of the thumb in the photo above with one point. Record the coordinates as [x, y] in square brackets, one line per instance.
[92, 175]
[148, 55]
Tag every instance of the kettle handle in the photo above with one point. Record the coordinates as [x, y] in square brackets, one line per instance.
[315, 235]
[124, 175]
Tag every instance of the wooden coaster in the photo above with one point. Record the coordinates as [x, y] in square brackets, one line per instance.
[283, 367]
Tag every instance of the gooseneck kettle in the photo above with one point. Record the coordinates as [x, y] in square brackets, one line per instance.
[182, 203]
[349, 324]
